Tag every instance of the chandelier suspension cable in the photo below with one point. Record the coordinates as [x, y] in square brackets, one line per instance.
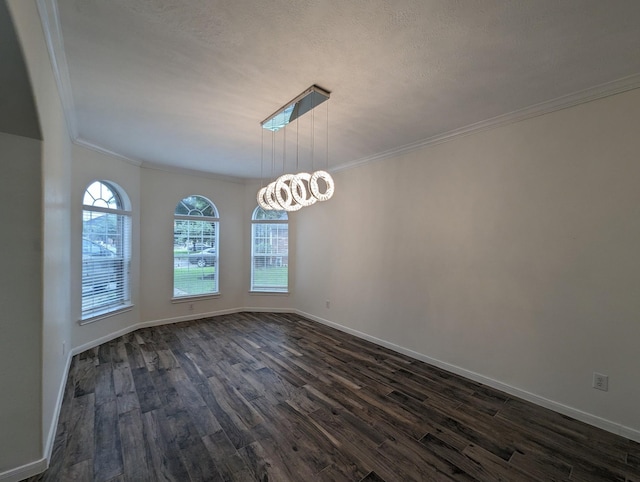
[262, 158]
[270, 193]
[291, 192]
[273, 154]
[327, 146]
[329, 185]
[313, 131]
[260, 195]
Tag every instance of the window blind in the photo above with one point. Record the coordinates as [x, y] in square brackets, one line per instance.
[269, 251]
[106, 242]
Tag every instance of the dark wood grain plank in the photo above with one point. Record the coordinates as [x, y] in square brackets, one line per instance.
[124, 388]
[137, 467]
[80, 440]
[276, 397]
[497, 468]
[372, 477]
[80, 472]
[229, 463]
[162, 451]
[107, 460]
[145, 390]
[85, 376]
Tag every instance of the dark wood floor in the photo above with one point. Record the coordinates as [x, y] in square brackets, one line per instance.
[264, 397]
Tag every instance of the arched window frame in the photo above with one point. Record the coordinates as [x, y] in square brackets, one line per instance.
[196, 235]
[269, 251]
[106, 250]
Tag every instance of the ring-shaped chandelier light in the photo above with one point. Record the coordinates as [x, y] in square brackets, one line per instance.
[283, 192]
[261, 202]
[283, 186]
[315, 189]
[291, 192]
[301, 191]
[270, 197]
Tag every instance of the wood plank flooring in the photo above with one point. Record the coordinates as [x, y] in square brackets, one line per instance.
[272, 397]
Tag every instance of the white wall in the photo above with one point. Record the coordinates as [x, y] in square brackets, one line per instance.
[56, 161]
[88, 166]
[20, 300]
[512, 253]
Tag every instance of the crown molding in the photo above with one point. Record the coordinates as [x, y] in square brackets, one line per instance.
[564, 102]
[50, 19]
[155, 166]
[78, 141]
[48, 11]
[192, 172]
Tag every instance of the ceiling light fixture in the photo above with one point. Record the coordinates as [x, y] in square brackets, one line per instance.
[291, 192]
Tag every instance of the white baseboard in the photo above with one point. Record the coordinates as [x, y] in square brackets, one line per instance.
[572, 412]
[48, 446]
[146, 324]
[630, 433]
[268, 310]
[24, 471]
[168, 321]
[33, 468]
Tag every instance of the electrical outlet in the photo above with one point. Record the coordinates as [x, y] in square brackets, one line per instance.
[327, 304]
[600, 381]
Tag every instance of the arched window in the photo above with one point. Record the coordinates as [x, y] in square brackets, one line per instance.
[269, 251]
[106, 249]
[195, 248]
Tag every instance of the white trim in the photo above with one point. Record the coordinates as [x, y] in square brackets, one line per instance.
[94, 147]
[570, 100]
[48, 448]
[192, 172]
[24, 471]
[146, 324]
[36, 467]
[194, 298]
[168, 321]
[50, 20]
[267, 310]
[189, 217]
[585, 417]
[106, 313]
[51, 25]
[80, 142]
[100, 209]
[269, 293]
[630, 433]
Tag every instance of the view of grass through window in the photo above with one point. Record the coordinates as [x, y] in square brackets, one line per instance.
[269, 251]
[195, 248]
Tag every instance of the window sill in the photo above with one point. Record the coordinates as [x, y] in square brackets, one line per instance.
[101, 315]
[269, 293]
[191, 299]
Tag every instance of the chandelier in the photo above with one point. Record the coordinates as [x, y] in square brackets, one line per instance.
[291, 192]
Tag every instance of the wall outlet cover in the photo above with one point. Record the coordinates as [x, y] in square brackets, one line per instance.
[600, 381]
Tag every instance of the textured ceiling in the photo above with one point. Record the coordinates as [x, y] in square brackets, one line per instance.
[186, 84]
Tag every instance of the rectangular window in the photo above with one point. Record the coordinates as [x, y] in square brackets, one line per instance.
[106, 255]
[270, 257]
[195, 257]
